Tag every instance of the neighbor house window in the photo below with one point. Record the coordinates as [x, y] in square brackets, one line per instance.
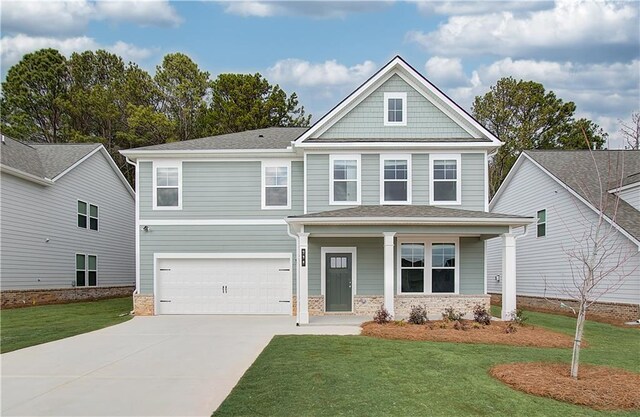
[275, 185]
[428, 266]
[541, 230]
[445, 179]
[167, 186]
[396, 179]
[344, 179]
[87, 215]
[395, 109]
[86, 270]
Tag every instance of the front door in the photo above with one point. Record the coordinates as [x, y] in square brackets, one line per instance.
[338, 270]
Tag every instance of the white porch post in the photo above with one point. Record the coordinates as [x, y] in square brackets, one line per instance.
[508, 275]
[303, 291]
[388, 271]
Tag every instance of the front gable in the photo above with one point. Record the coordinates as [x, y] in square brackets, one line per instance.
[424, 119]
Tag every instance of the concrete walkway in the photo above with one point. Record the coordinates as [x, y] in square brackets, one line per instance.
[148, 366]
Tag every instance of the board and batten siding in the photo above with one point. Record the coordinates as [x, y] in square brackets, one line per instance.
[220, 190]
[543, 262]
[424, 120]
[472, 181]
[33, 213]
[211, 239]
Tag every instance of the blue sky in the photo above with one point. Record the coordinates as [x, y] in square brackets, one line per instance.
[585, 51]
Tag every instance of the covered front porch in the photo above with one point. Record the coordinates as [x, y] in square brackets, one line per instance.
[353, 261]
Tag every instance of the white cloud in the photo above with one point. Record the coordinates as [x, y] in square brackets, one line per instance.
[329, 73]
[317, 9]
[477, 7]
[585, 29]
[142, 12]
[13, 48]
[68, 18]
[251, 8]
[445, 71]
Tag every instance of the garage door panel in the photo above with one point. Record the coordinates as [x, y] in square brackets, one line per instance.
[224, 286]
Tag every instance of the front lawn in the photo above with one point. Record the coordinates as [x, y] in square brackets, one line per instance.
[363, 376]
[23, 327]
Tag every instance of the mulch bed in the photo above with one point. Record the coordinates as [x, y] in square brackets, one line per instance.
[598, 387]
[493, 334]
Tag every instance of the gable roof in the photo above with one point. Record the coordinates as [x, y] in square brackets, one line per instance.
[46, 163]
[575, 170]
[400, 67]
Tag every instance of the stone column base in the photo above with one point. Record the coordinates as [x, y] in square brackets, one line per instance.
[316, 305]
[143, 305]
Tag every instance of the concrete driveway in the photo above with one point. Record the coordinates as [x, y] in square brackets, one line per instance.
[166, 365]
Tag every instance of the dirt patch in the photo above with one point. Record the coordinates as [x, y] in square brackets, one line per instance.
[493, 334]
[598, 387]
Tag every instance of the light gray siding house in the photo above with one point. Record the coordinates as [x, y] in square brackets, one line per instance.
[383, 201]
[67, 224]
[561, 189]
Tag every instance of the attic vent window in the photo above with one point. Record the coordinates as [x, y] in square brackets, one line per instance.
[395, 109]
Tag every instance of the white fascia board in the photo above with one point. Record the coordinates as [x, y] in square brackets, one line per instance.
[625, 187]
[26, 176]
[206, 153]
[212, 222]
[399, 145]
[506, 221]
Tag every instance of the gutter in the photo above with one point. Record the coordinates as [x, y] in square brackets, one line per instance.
[427, 221]
[295, 236]
[24, 175]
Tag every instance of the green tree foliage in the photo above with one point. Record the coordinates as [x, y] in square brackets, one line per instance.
[243, 102]
[33, 97]
[525, 116]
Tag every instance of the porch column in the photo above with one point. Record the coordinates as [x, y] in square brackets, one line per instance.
[508, 275]
[388, 271]
[303, 291]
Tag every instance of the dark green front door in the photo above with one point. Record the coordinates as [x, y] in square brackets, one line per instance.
[338, 268]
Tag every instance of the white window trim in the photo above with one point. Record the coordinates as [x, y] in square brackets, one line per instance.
[546, 223]
[275, 163]
[166, 164]
[387, 157]
[324, 250]
[427, 242]
[345, 157]
[82, 214]
[86, 270]
[403, 97]
[89, 217]
[442, 156]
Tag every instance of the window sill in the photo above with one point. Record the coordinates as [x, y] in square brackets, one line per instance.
[344, 203]
[445, 203]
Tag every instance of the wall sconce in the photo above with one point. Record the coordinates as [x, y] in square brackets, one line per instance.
[146, 228]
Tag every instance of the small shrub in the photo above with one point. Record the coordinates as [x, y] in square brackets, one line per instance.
[518, 317]
[400, 323]
[481, 315]
[382, 316]
[443, 324]
[510, 328]
[477, 325]
[451, 315]
[418, 315]
[460, 325]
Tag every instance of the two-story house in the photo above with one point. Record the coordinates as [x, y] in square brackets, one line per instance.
[383, 201]
[67, 217]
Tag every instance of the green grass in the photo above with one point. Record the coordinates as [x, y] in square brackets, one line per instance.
[23, 327]
[362, 376]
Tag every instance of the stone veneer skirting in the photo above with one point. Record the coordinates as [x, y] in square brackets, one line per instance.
[143, 305]
[605, 310]
[28, 298]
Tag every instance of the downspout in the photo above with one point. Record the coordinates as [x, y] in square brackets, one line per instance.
[137, 225]
[295, 236]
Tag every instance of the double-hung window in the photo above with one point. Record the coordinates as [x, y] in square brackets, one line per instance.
[86, 270]
[87, 215]
[276, 190]
[344, 179]
[395, 183]
[541, 227]
[167, 186]
[428, 266]
[395, 109]
[445, 179]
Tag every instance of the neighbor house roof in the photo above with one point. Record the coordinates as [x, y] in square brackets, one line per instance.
[408, 214]
[577, 171]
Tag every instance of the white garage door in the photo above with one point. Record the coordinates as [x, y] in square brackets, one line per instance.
[229, 285]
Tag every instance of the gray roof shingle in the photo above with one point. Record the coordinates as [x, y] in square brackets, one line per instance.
[417, 211]
[577, 170]
[42, 160]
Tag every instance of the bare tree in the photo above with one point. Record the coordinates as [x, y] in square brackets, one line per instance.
[631, 131]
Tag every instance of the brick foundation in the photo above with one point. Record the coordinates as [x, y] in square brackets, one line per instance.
[28, 298]
[316, 305]
[143, 305]
[604, 311]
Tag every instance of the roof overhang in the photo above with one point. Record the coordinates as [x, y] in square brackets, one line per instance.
[134, 154]
[423, 221]
[395, 145]
[25, 175]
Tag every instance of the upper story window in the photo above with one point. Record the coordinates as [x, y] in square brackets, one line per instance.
[276, 190]
[445, 179]
[344, 179]
[541, 229]
[395, 184]
[167, 186]
[395, 109]
[87, 215]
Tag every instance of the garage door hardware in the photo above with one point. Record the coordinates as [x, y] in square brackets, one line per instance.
[165, 301]
[284, 270]
[284, 301]
[224, 289]
[165, 269]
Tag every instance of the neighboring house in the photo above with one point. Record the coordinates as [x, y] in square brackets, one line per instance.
[561, 189]
[383, 201]
[67, 224]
